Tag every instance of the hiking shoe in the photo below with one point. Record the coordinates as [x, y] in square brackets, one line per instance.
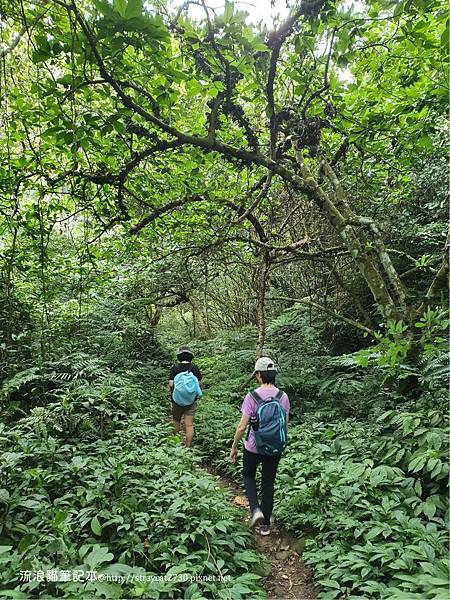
[264, 530]
[257, 517]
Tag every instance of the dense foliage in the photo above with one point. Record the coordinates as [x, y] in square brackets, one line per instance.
[129, 502]
[370, 496]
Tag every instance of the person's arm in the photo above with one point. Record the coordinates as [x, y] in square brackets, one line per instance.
[287, 409]
[240, 430]
[171, 378]
[197, 373]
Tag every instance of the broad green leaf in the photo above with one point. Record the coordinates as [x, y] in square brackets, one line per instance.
[98, 556]
[120, 6]
[95, 526]
[134, 9]
[429, 509]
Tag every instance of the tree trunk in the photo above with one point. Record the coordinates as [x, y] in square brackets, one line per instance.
[260, 287]
[340, 216]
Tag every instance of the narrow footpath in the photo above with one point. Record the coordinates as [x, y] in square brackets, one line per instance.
[289, 578]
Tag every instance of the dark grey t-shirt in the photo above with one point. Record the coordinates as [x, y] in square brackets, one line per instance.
[181, 367]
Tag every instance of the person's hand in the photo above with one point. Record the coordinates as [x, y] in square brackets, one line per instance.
[233, 455]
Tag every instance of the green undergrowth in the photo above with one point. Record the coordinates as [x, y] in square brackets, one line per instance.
[375, 495]
[133, 507]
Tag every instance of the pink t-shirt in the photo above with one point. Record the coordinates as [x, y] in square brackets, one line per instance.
[249, 406]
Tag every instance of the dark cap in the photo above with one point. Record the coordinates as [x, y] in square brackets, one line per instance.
[185, 350]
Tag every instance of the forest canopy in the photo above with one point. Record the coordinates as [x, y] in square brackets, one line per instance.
[281, 147]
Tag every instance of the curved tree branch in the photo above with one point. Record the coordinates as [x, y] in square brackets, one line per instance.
[328, 311]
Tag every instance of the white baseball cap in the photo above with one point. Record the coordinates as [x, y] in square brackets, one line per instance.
[265, 364]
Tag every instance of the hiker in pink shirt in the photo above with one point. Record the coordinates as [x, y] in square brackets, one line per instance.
[265, 413]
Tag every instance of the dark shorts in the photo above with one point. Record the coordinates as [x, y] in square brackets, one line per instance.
[180, 411]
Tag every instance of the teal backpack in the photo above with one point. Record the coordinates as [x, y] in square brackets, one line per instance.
[186, 388]
[271, 432]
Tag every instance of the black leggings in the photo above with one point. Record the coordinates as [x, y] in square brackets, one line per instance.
[269, 471]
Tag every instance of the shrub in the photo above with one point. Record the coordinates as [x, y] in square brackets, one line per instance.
[133, 503]
[374, 493]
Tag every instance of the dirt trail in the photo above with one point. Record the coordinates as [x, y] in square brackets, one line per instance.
[288, 579]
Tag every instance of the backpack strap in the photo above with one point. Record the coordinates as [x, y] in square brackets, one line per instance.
[279, 395]
[256, 397]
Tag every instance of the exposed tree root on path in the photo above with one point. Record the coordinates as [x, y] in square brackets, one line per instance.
[288, 579]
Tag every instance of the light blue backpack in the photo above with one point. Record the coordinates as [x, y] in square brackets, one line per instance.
[186, 388]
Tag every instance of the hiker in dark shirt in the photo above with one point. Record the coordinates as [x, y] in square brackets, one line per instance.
[184, 357]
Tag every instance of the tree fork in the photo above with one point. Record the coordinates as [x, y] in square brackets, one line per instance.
[367, 268]
[383, 256]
